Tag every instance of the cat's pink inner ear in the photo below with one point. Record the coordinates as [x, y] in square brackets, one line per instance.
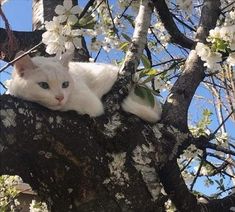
[24, 64]
[66, 58]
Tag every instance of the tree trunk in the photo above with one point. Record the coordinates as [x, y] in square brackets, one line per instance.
[71, 162]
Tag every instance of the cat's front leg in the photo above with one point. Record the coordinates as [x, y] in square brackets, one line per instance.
[85, 103]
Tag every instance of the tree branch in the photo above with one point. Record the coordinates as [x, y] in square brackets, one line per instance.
[166, 18]
[78, 170]
[27, 40]
[176, 107]
[139, 40]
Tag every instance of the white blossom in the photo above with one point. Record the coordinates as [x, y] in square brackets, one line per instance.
[210, 58]
[59, 38]
[160, 84]
[67, 12]
[38, 206]
[231, 59]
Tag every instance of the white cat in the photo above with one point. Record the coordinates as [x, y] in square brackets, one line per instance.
[63, 85]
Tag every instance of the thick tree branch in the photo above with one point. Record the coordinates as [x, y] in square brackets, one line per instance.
[69, 161]
[167, 19]
[27, 40]
[175, 109]
[137, 46]
[177, 190]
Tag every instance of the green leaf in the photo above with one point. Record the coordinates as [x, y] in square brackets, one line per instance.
[89, 25]
[126, 37]
[219, 45]
[124, 46]
[145, 61]
[86, 22]
[148, 72]
[145, 94]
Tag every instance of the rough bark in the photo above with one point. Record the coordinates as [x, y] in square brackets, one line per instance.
[65, 157]
[25, 41]
[185, 87]
[69, 160]
[43, 10]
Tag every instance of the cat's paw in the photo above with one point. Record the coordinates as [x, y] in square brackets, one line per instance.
[95, 110]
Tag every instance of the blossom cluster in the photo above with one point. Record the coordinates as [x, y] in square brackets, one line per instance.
[221, 42]
[8, 192]
[65, 30]
[107, 27]
[163, 36]
[59, 35]
[38, 206]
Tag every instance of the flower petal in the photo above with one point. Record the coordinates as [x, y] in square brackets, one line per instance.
[62, 18]
[72, 19]
[76, 32]
[59, 10]
[75, 10]
[69, 45]
[68, 4]
[77, 42]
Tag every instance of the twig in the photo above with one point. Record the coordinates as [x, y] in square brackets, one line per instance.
[96, 57]
[3, 85]
[183, 23]
[86, 8]
[154, 35]
[198, 171]
[110, 14]
[202, 143]
[221, 124]
[12, 43]
[225, 190]
[26, 53]
[171, 60]
[186, 165]
[212, 83]
[97, 6]
[129, 4]
[227, 6]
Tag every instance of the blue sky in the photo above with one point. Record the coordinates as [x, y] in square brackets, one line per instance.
[19, 15]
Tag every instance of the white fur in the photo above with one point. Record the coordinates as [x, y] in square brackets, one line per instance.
[88, 82]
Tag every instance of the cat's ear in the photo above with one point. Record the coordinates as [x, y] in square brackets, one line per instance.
[66, 58]
[24, 64]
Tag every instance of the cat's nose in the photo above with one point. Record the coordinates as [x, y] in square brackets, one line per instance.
[59, 97]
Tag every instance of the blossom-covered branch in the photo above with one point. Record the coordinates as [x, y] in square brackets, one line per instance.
[183, 90]
[166, 17]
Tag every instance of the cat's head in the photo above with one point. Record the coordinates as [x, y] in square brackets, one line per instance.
[42, 80]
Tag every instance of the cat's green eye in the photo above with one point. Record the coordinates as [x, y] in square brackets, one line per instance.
[65, 84]
[43, 85]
